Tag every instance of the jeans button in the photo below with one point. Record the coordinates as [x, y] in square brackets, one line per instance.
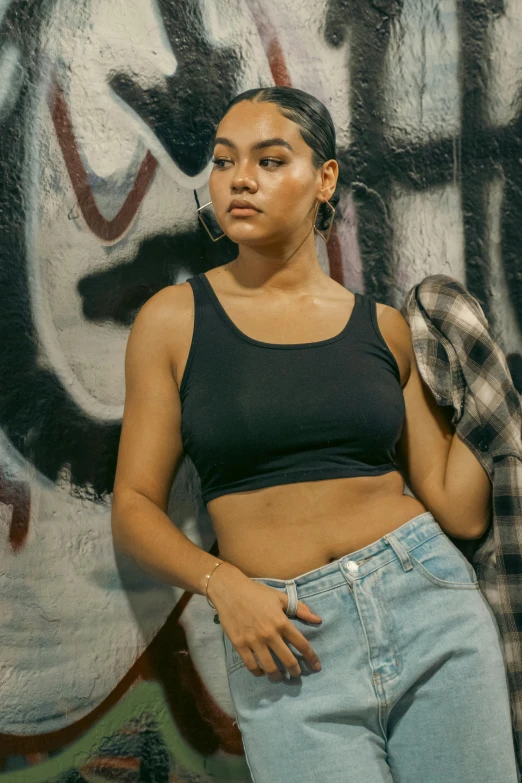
[352, 566]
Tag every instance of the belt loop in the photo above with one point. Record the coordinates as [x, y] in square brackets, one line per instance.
[399, 550]
[291, 592]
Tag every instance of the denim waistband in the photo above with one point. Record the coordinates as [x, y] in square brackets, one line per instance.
[362, 562]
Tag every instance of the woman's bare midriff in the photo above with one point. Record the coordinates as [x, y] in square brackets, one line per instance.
[287, 530]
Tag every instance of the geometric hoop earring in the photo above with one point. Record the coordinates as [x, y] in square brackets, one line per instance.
[330, 224]
[214, 239]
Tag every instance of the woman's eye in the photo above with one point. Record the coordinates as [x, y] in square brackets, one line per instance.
[271, 160]
[217, 161]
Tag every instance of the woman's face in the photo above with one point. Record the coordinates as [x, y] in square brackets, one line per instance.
[277, 178]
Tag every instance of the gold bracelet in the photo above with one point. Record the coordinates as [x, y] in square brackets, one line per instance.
[206, 586]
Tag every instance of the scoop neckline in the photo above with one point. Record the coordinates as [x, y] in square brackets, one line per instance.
[224, 315]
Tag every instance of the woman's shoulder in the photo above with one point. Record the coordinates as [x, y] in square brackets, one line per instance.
[166, 319]
[163, 326]
[391, 317]
[170, 306]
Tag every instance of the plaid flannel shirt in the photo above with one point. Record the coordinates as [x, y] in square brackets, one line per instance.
[464, 367]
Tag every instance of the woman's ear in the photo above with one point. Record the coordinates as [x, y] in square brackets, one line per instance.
[329, 175]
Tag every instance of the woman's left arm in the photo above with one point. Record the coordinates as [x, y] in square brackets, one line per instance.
[440, 469]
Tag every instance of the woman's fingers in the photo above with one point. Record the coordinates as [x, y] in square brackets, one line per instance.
[262, 653]
[264, 656]
[302, 644]
[252, 664]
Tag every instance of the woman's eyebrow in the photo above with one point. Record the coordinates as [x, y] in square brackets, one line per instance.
[275, 142]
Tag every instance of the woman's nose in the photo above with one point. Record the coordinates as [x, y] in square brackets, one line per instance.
[243, 178]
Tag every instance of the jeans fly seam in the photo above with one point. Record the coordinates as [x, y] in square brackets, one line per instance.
[375, 686]
[383, 606]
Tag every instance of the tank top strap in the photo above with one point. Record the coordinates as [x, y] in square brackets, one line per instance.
[197, 287]
[366, 316]
[370, 307]
[372, 331]
[208, 336]
[204, 307]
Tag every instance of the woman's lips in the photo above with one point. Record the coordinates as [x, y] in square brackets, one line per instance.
[243, 211]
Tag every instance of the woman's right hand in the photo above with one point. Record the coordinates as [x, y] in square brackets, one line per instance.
[253, 617]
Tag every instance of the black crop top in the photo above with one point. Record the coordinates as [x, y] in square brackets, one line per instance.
[257, 414]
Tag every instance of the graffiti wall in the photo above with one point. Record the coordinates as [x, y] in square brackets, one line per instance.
[107, 113]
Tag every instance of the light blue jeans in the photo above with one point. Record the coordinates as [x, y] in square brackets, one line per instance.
[413, 685]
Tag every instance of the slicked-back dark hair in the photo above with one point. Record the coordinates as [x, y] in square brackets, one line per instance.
[315, 125]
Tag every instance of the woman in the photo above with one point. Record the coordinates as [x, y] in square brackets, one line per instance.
[301, 405]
